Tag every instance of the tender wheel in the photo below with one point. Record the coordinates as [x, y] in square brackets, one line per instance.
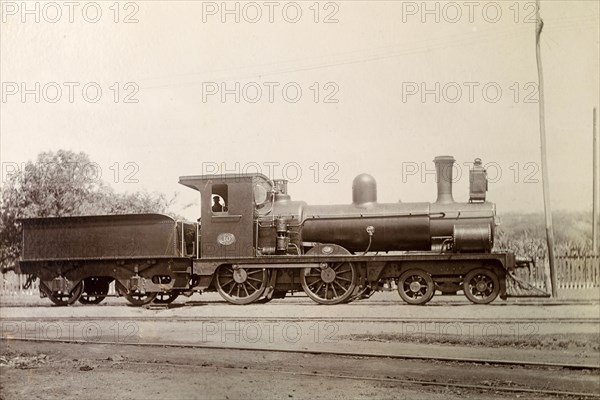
[136, 298]
[95, 290]
[66, 298]
[91, 299]
[166, 297]
[332, 283]
[415, 287]
[240, 285]
[481, 286]
[140, 299]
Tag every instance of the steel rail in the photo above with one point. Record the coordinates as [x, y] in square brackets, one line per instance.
[233, 318]
[318, 352]
[371, 378]
[304, 300]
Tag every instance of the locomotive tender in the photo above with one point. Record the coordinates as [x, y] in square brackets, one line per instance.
[254, 243]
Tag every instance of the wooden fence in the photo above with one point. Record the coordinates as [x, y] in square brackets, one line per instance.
[11, 284]
[578, 272]
[573, 272]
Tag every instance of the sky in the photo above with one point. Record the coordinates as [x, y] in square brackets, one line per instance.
[315, 92]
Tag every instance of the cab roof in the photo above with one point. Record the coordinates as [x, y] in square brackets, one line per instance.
[198, 182]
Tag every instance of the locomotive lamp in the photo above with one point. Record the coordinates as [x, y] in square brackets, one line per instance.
[478, 183]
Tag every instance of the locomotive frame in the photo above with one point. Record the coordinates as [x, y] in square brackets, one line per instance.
[260, 245]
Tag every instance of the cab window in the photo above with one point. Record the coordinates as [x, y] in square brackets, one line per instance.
[219, 199]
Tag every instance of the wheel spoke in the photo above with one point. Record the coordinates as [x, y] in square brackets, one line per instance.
[256, 271]
[343, 288]
[319, 288]
[315, 282]
[228, 282]
[335, 267]
[333, 288]
[231, 290]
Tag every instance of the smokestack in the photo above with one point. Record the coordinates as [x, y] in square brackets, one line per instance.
[444, 176]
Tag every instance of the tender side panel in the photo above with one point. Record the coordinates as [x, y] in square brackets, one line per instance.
[97, 237]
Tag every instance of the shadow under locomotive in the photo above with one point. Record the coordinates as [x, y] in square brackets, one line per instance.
[254, 243]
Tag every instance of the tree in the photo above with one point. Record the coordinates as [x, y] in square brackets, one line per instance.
[59, 184]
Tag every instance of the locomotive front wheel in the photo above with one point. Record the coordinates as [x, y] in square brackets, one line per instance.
[481, 286]
[240, 285]
[415, 287]
[95, 290]
[66, 298]
[166, 297]
[331, 283]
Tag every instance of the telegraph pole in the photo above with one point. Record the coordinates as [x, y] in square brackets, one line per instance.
[539, 25]
[596, 186]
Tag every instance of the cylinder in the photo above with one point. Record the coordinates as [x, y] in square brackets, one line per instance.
[444, 177]
[473, 238]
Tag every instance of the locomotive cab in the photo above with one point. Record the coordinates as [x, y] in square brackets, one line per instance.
[229, 231]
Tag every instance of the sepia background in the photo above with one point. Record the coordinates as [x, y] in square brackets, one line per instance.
[135, 94]
[367, 72]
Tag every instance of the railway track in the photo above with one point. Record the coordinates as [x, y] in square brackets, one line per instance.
[302, 300]
[590, 367]
[212, 318]
[419, 382]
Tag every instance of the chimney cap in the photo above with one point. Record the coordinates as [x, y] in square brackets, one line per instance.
[444, 158]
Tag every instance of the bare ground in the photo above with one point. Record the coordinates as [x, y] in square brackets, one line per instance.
[92, 371]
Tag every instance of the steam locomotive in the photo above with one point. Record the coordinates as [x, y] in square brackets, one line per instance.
[254, 243]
